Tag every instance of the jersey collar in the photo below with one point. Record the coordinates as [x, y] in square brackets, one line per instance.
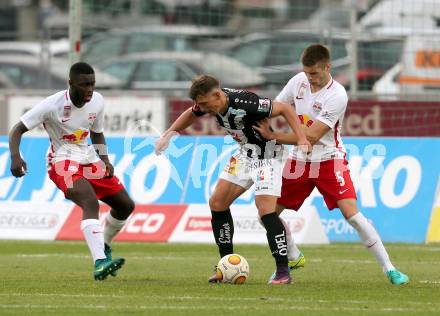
[330, 83]
[326, 87]
[67, 97]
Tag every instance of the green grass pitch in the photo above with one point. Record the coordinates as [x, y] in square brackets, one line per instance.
[55, 278]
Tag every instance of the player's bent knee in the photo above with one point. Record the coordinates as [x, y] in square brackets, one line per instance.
[217, 204]
[82, 197]
[90, 208]
[90, 203]
[265, 205]
[262, 209]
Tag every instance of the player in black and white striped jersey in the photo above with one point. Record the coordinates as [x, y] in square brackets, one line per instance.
[257, 161]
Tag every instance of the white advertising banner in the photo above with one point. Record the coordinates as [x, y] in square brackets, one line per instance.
[36, 221]
[195, 226]
[135, 115]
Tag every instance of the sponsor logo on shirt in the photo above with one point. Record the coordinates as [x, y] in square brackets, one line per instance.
[262, 163]
[264, 105]
[301, 91]
[328, 116]
[66, 113]
[317, 107]
[305, 120]
[92, 117]
[260, 176]
[76, 137]
[232, 167]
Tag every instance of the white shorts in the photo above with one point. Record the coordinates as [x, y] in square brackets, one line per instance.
[265, 173]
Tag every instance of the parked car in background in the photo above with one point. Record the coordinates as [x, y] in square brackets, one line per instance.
[175, 70]
[276, 56]
[388, 84]
[332, 16]
[27, 72]
[418, 69]
[375, 58]
[6, 83]
[39, 49]
[324, 18]
[402, 17]
[181, 38]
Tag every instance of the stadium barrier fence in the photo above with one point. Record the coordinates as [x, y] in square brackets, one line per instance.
[396, 181]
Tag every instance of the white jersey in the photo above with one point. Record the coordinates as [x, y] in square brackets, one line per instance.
[68, 126]
[327, 106]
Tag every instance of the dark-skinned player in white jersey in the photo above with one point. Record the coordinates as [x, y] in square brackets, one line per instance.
[83, 172]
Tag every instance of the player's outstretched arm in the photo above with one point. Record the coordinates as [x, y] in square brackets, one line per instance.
[18, 165]
[100, 145]
[183, 121]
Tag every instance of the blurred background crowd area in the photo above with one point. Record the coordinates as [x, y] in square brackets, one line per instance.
[381, 49]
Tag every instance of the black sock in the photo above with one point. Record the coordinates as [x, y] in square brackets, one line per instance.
[276, 236]
[223, 229]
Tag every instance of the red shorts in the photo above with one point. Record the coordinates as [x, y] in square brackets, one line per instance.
[64, 173]
[331, 177]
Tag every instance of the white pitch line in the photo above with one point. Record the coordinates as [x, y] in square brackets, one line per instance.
[350, 246]
[65, 295]
[81, 256]
[358, 246]
[430, 281]
[167, 257]
[418, 248]
[207, 298]
[48, 255]
[214, 307]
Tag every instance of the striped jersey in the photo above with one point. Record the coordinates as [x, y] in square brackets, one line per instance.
[244, 110]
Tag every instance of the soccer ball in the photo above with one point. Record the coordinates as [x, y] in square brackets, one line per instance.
[233, 269]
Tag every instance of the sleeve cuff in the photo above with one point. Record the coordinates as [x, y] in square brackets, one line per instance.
[326, 122]
[25, 123]
[98, 131]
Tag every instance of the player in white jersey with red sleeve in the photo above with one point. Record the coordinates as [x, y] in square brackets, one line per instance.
[82, 171]
[320, 103]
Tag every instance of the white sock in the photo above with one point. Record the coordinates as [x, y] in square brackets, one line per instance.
[112, 227]
[92, 232]
[293, 252]
[371, 240]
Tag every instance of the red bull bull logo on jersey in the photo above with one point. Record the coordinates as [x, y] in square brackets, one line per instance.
[76, 137]
[305, 120]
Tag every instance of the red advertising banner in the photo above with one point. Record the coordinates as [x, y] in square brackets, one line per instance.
[362, 118]
[152, 223]
[392, 118]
